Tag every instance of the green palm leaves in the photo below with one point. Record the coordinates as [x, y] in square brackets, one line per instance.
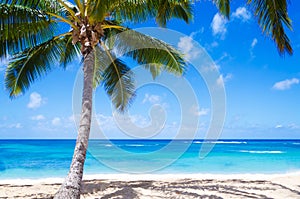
[223, 6]
[33, 63]
[28, 34]
[21, 28]
[273, 18]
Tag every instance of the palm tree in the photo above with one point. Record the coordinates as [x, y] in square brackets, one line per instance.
[31, 36]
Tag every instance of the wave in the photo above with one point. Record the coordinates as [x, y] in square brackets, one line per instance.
[197, 142]
[296, 143]
[134, 145]
[261, 152]
[226, 142]
[108, 145]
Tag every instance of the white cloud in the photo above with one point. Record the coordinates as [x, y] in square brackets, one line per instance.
[195, 110]
[152, 99]
[221, 80]
[18, 126]
[187, 47]
[286, 84]
[38, 117]
[56, 121]
[218, 26]
[35, 100]
[291, 126]
[11, 126]
[214, 44]
[254, 42]
[241, 13]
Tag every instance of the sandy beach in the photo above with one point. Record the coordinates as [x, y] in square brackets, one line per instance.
[163, 186]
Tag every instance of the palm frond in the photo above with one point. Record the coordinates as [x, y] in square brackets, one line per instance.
[167, 9]
[140, 10]
[101, 62]
[24, 68]
[28, 3]
[42, 5]
[80, 6]
[273, 19]
[134, 11]
[116, 78]
[98, 10]
[153, 53]
[69, 52]
[22, 27]
[223, 6]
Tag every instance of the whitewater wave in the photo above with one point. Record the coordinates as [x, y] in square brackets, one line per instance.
[227, 142]
[134, 145]
[261, 152]
[197, 142]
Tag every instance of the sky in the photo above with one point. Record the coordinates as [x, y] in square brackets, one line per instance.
[260, 88]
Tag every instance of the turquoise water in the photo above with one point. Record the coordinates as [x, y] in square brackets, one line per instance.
[51, 158]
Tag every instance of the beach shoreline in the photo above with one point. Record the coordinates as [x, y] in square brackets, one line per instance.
[163, 186]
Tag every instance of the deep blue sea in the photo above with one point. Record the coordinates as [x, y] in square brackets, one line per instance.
[51, 158]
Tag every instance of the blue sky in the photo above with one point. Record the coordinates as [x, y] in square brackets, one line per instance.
[262, 88]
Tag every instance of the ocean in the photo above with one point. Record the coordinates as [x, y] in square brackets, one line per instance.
[34, 159]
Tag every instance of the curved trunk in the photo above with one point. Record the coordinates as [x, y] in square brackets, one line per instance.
[70, 189]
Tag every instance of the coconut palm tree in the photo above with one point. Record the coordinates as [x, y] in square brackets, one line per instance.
[31, 38]
[30, 34]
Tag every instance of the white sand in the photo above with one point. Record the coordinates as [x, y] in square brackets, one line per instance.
[163, 186]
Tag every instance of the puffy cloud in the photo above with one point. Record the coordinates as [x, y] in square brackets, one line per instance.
[286, 84]
[222, 79]
[241, 13]
[195, 110]
[187, 47]
[152, 99]
[56, 121]
[35, 100]
[218, 26]
[291, 126]
[253, 44]
[214, 44]
[38, 117]
[11, 126]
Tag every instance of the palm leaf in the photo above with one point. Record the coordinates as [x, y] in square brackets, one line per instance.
[22, 28]
[69, 52]
[167, 9]
[98, 10]
[140, 10]
[115, 76]
[133, 11]
[223, 6]
[33, 63]
[27, 3]
[273, 19]
[154, 54]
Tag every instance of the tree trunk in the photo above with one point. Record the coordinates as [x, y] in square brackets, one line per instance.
[70, 189]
